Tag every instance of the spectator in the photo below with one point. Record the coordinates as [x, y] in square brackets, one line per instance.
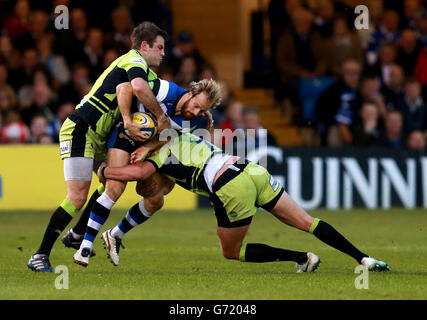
[76, 89]
[187, 72]
[119, 39]
[9, 53]
[8, 99]
[279, 15]
[382, 68]
[54, 126]
[413, 107]
[207, 71]
[14, 131]
[393, 92]
[38, 127]
[39, 21]
[410, 11]
[392, 136]
[344, 44]
[18, 22]
[340, 93]
[324, 21]
[227, 97]
[349, 111]
[56, 64]
[24, 75]
[416, 141]
[301, 53]
[185, 47]
[408, 52]
[367, 131]
[94, 51]
[43, 101]
[69, 43]
[233, 120]
[255, 135]
[388, 31]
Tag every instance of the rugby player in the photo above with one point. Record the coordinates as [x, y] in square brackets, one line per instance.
[236, 188]
[186, 110]
[83, 135]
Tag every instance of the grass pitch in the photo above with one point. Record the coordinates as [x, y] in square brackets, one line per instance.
[176, 255]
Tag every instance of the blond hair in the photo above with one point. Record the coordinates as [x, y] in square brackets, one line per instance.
[210, 87]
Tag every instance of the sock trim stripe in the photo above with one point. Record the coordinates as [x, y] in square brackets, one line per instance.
[94, 224]
[314, 225]
[242, 252]
[96, 218]
[69, 208]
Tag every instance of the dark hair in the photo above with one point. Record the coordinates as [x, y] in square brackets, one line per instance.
[146, 31]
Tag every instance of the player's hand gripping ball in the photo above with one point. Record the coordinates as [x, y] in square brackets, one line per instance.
[148, 121]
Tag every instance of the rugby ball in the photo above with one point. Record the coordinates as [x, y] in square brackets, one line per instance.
[148, 121]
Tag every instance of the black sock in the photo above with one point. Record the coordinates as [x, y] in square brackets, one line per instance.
[258, 252]
[58, 222]
[80, 227]
[332, 237]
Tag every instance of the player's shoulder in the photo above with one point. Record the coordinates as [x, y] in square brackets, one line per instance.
[133, 57]
[169, 91]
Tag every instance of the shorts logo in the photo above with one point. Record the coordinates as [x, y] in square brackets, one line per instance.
[65, 147]
[233, 214]
[274, 183]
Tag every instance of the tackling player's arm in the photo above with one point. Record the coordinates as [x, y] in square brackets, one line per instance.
[132, 172]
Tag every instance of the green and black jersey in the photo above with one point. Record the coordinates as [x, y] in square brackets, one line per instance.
[99, 108]
[183, 161]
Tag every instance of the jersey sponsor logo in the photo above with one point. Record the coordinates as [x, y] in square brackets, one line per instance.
[65, 147]
[274, 183]
[138, 60]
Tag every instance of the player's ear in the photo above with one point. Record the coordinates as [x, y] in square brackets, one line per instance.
[144, 46]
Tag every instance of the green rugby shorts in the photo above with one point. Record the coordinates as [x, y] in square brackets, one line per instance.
[240, 190]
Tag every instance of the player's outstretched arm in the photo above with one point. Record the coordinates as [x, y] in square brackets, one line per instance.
[144, 93]
[132, 172]
[124, 100]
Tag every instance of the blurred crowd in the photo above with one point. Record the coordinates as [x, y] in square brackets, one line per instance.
[45, 72]
[356, 87]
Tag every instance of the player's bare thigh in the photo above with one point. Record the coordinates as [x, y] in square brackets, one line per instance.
[116, 158]
[289, 212]
[231, 240]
